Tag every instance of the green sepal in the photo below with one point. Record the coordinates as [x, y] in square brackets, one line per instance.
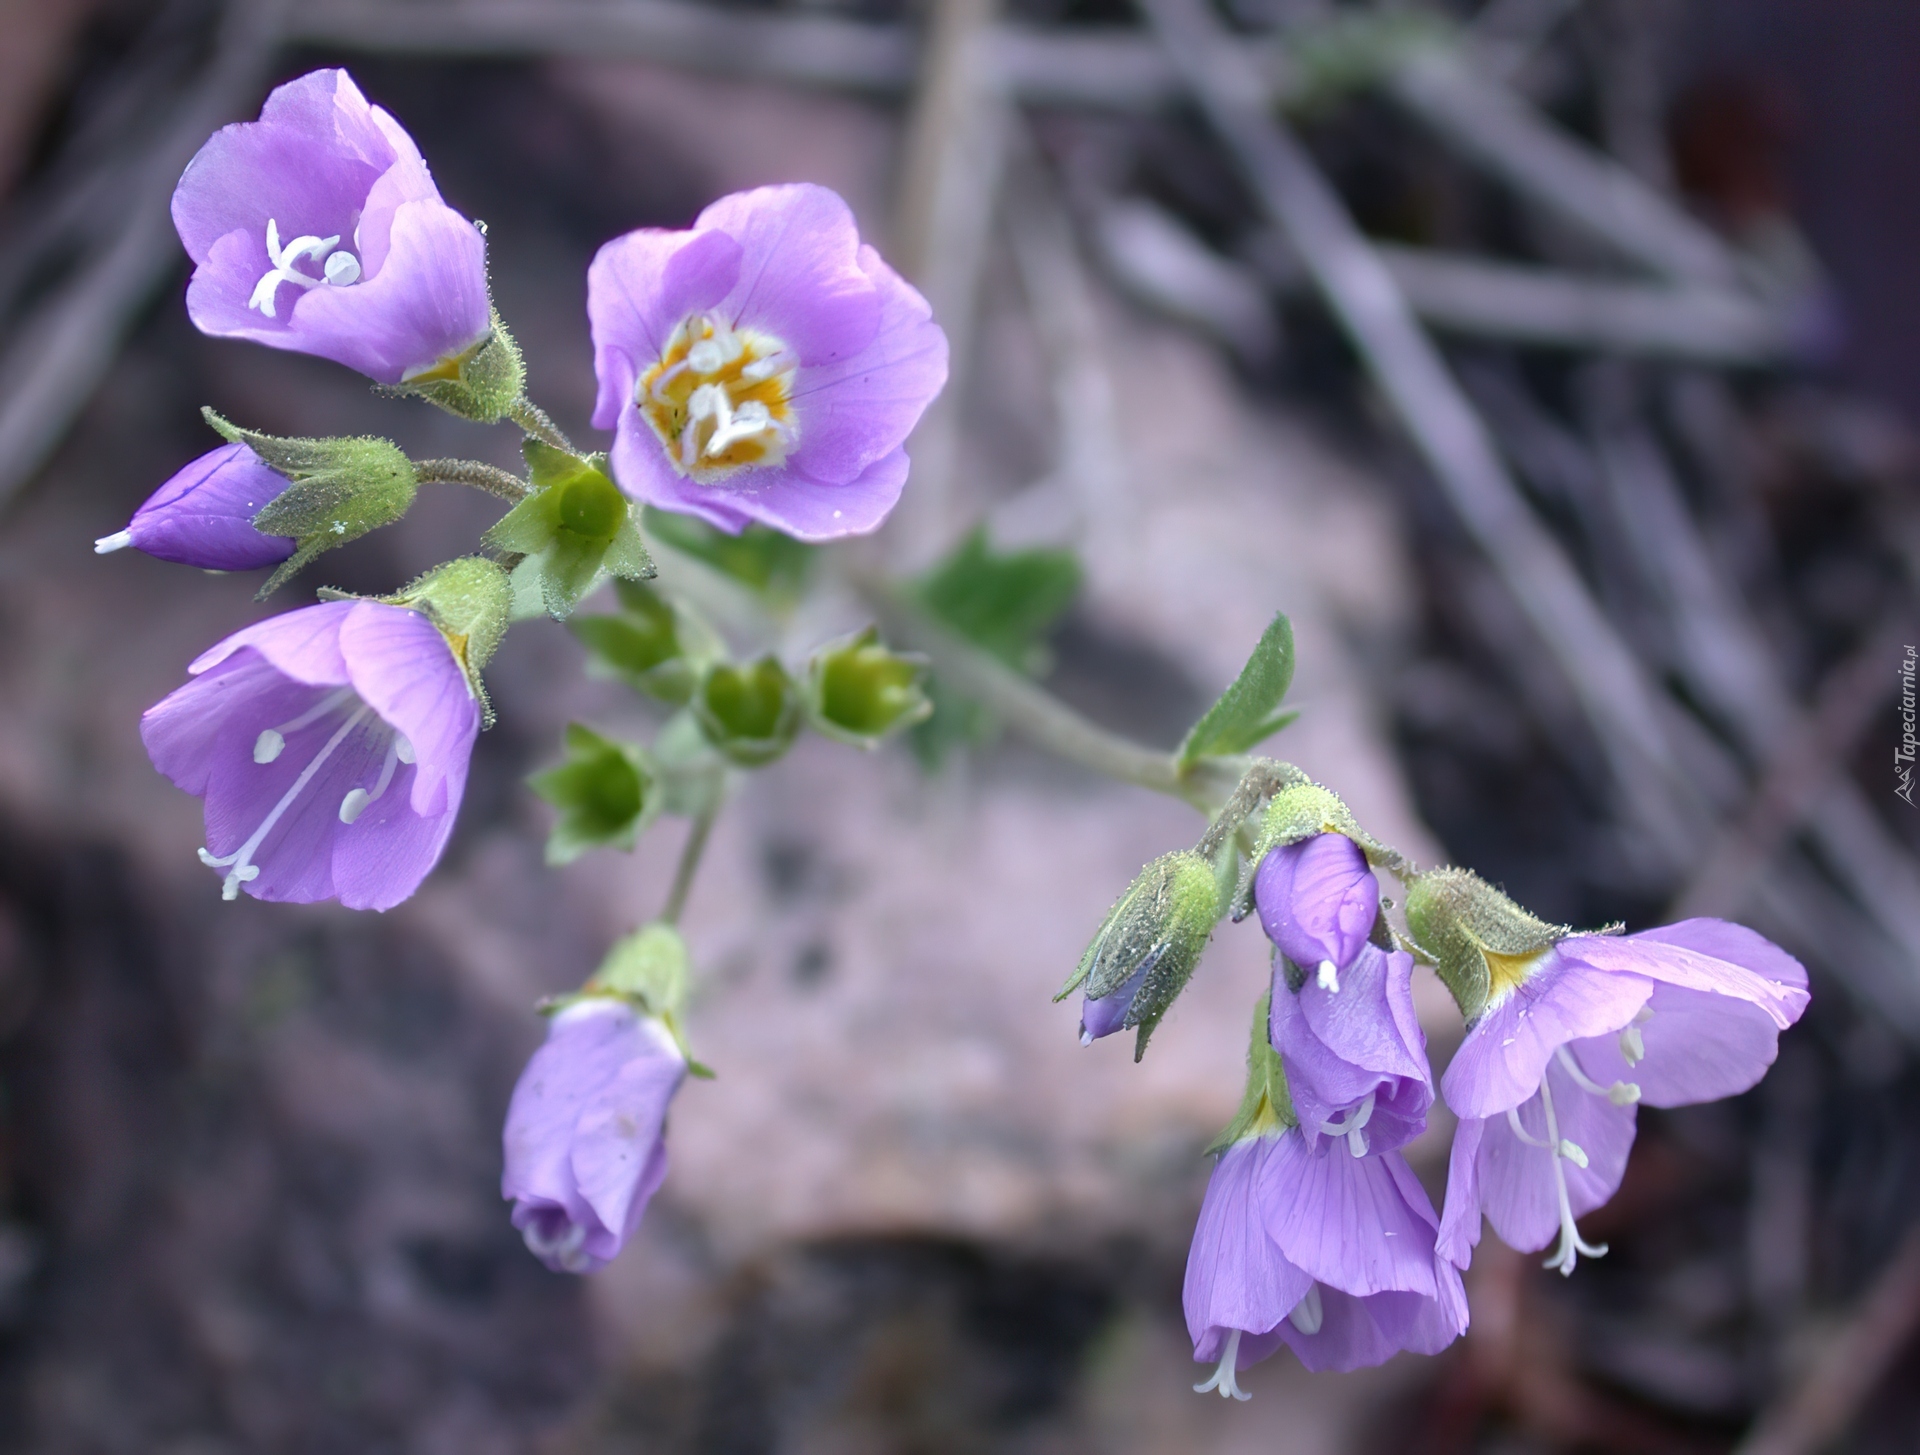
[651, 971]
[858, 691]
[1298, 813]
[1002, 602]
[1162, 924]
[340, 490]
[1482, 943]
[470, 600]
[481, 383]
[1266, 1106]
[1248, 712]
[606, 792]
[750, 711]
[576, 529]
[768, 562]
[652, 644]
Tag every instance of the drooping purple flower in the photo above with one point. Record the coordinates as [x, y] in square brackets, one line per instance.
[1355, 1057]
[763, 366]
[1328, 1253]
[203, 515]
[585, 1136]
[331, 746]
[1547, 1081]
[1318, 901]
[318, 229]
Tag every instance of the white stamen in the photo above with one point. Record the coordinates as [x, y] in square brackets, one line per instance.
[1223, 1373]
[564, 1250]
[1513, 1121]
[268, 746]
[118, 541]
[1633, 1047]
[1621, 1093]
[766, 368]
[354, 804]
[751, 419]
[1573, 1152]
[243, 869]
[1566, 1255]
[342, 269]
[267, 289]
[403, 747]
[667, 376]
[1352, 1127]
[1309, 1314]
[709, 356]
[1329, 977]
[708, 400]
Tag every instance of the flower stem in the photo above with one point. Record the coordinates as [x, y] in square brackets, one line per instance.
[690, 855]
[536, 422]
[490, 478]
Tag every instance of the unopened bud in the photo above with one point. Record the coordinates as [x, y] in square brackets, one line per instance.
[1146, 950]
[575, 530]
[858, 691]
[605, 792]
[749, 711]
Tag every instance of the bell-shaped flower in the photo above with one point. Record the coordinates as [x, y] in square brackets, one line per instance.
[763, 366]
[585, 1136]
[1307, 1244]
[1355, 1057]
[1318, 901]
[331, 747]
[1571, 1039]
[318, 229]
[203, 515]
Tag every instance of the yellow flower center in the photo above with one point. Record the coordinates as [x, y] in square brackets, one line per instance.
[720, 399]
[1507, 973]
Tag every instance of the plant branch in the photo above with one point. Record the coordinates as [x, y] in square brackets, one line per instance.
[689, 865]
[536, 422]
[490, 478]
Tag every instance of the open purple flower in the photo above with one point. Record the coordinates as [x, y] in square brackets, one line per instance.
[1547, 1081]
[763, 366]
[1328, 1253]
[1355, 1057]
[585, 1138]
[1318, 901]
[331, 746]
[203, 516]
[318, 228]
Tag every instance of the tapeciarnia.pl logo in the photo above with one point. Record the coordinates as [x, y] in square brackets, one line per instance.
[1903, 755]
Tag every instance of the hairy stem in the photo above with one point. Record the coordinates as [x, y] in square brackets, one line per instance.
[690, 855]
[536, 422]
[490, 478]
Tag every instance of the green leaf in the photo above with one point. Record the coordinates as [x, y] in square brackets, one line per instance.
[604, 791]
[774, 565]
[1247, 712]
[1003, 603]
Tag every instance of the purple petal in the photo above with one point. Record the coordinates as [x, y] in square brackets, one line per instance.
[1358, 1333]
[1699, 1047]
[1237, 1277]
[1354, 1223]
[380, 859]
[1500, 1062]
[304, 644]
[640, 288]
[1338, 1047]
[1317, 899]
[1460, 1220]
[403, 668]
[819, 510]
[1517, 1189]
[1673, 962]
[1723, 940]
[203, 515]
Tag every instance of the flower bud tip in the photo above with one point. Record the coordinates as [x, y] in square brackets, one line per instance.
[118, 541]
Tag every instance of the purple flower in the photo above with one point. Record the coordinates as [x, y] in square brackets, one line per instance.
[203, 516]
[331, 747]
[1328, 1253]
[764, 366]
[1355, 1057]
[318, 228]
[585, 1143]
[1547, 1081]
[1318, 901]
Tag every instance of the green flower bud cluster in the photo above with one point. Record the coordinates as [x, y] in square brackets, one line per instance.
[572, 532]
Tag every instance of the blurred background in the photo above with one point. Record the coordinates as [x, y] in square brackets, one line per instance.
[1555, 364]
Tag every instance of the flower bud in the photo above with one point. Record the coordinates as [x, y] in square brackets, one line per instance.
[1147, 949]
[749, 711]
[858, 691]
[1298, 813]
[1318, 901]
[575, 530]
[203, 516]
[605, 791]
[339, 490]
[1482, 941]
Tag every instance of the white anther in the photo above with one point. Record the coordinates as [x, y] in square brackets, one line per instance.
[342, 269]
[1329, 977]
[283, 258]
[268, 746]
[709, 356]
[354, 804]
[1624, 1093]
[1308, 1314]
[1573, 1152]
[1223, 1373]
[1633, 1046]
[403, 747]
[708, 400]
[118, 541]
[766, 368]
[1621, 1093]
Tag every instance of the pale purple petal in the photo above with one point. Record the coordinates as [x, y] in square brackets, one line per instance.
[304, 644]
[1460, 1219]
[1724, 940]
[403, 668]
[1564, 999]
[203, 515]
[1699, 1047]
[821, 510]
[1237, 1277]
[1673, 962]
[1358, 1333]
[800, 276]
[1108, 1014]
[640, 288]
[1317, 899]
[1339, 1047]
[1349, 1221]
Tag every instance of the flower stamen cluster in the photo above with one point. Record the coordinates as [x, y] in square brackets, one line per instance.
[720, 399]
[337, 268]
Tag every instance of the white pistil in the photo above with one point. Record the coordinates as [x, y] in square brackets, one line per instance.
[1633, 1047]
[243, 869]
[1329, 977]
[1352, 1127]
[1621, 1093]
[1309, 1314]
[118, 541]
[1566, 1255]
[337, 268]
[1223, 1372]
[357, 799]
